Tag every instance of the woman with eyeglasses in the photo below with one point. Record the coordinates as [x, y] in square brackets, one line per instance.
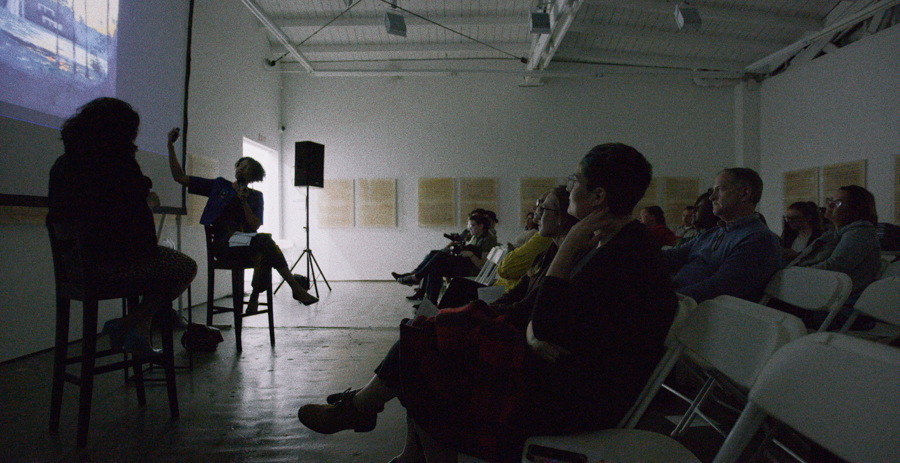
[573, 359]
[852, 247]
[801, 226]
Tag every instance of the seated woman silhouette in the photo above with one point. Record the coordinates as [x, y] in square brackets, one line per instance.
[234, 208]
[98, 183]
[481, 384]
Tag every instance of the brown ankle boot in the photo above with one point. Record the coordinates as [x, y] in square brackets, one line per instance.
[331, 418]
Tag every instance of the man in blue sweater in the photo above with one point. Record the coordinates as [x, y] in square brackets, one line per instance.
[736, 258]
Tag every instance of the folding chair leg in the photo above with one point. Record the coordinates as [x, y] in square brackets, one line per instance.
[691, 411]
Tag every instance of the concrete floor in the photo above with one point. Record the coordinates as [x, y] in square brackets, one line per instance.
[235, 408]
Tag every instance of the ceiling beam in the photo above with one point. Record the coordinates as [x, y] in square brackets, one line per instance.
[378, 21]
[562, 15]
[707, 13]
[412, 48]
[680, 39]
[774, 60]
[649, 60]
[278, 33]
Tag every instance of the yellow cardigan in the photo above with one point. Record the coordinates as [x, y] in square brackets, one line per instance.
[516, 262]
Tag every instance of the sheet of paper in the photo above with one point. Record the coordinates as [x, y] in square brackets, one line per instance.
[377, 205]
[336, 204]
[436, 201]
[476, 193]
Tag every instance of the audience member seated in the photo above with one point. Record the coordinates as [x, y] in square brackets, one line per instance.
[852, 247]
[686, 230]
[552, 228]
[703, 219]
[738, 256]
[655, 220]
[576, 362]
[516, 262]
[554, 224]
[456, 240]
[463, 260]
[802, 225]
[531, 227]
[98, 183]
[234, 212]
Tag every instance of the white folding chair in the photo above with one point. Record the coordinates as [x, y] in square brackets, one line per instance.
[810, 289]
[838, 391]
[488, 273]
[614, 445]
[880, 300]
[686, 305]
[891, 270]
[733, 336]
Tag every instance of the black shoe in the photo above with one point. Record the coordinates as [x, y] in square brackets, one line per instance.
[418, 296]
[304, 282]
[398, 276]
[408, 280]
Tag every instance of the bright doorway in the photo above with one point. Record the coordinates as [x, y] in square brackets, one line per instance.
[270, 186]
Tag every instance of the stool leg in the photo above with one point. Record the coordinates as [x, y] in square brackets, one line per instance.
[237, 288]
[86, 383]
[138, 366]
[59, 361]
[210, 298]
[169, 366]
[271, 315]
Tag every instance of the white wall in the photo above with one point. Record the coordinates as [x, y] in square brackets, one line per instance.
[478, 126]
[841, 107]
[232, 96]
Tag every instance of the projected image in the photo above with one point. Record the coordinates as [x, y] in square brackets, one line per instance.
[57, 54]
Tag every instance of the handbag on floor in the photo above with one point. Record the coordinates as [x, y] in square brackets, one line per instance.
[201, 338]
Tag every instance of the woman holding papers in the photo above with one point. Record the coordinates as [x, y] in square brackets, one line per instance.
[233, 213]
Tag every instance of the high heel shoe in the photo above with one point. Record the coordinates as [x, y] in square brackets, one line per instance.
[306, 298]
[302, 280]
[419, 295]
[332, 418]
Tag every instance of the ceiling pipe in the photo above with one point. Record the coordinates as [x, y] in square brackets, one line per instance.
[278, 33]
[786, 53]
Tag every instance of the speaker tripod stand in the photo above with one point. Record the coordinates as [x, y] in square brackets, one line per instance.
[311, 263]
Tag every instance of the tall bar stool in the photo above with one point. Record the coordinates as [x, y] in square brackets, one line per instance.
[73, 249]
[237, 293]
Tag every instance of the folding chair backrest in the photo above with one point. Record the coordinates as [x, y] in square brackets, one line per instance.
[881, 300]
[686, 306]
[810, 289]
[839, 391]
[891, 270]
[488, 273]
[737, 337]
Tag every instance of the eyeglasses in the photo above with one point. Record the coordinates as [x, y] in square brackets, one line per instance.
[540, 210]
[835, 203]
[793, 218]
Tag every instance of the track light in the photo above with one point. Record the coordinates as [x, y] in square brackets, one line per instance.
[394, 23]
[687, 16]
[540, 23]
